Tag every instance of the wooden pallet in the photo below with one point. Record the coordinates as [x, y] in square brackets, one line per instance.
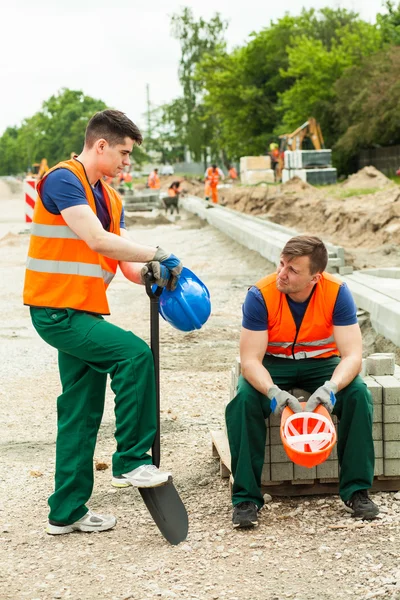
[220, 450]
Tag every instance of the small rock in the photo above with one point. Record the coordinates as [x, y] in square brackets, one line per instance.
[267, 498]
[397, 496]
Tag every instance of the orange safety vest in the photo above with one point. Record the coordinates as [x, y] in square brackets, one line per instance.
[154, 181]
[315, 336]
[172, 192]
[62, 271]
[233, 173]
[212, 176]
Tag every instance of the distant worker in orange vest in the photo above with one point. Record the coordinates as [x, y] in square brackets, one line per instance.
[233, 173]
[172, 202]
[78, 241]
[154, 181]
[212, 177]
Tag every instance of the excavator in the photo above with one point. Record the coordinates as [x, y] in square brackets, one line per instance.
[294, 141]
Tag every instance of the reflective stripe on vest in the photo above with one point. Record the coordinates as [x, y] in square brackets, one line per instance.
[324, 342]
[68, 268]
[54, 231]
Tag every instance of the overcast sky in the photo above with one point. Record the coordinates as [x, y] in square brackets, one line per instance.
[111, 50]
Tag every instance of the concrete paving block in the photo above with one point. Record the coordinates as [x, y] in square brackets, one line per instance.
[391, 388]
[267, 454]
[274, 436]
[391, 413]
[278, 454]
[363, 372]
[345, 270]
[391, 432]
[282, 471]
[378, 413]
[391, 467]
[274, 420]
[379, 467]
[380, 364]
[377, 431]
[250, 163]
[238, 369]
[257, 176]
[397, 371]
[266, 472]
[375, 389]
[328, 469]
[391, 450]
[303, 472]
[378, 448]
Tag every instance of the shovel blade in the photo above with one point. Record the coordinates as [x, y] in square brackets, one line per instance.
[168, 512]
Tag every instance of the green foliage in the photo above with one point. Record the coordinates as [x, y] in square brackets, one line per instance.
[188, 120]
[54, 132]
[389, 24]
[314, 68]
[367, 103]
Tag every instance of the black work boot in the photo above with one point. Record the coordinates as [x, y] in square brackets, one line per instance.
[245, 515]
[362, 506]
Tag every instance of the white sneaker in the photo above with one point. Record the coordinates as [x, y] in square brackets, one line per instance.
[145, 476]
[89, 522]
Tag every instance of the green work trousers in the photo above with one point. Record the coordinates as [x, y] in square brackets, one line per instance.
[89, 348]
[245, 420]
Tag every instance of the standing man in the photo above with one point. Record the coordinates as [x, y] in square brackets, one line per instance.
[78, 239]
[300, 330]
[154, 181]
[212, 176]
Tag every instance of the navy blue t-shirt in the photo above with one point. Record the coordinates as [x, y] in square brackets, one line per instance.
[62, 189]
[255, 314]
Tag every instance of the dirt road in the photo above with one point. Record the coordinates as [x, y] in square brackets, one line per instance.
[304, 549]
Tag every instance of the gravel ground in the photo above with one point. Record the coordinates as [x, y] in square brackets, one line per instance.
[304, 549]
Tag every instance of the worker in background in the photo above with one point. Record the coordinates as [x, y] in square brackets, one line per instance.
[44, 167]
[128, 181]
[212, 176]
[232, 173]
[153, 181]
[300, 330]
[78, 240]
[172, 201]
[275, 157]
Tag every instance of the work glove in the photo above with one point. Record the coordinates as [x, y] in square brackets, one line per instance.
[172, 263]
[280, 399]
[159, 274]
[324, 395]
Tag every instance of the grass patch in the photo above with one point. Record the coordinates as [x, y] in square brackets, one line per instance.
[343, 193]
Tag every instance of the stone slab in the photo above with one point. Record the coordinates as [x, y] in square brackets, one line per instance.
[391, 450]
[391, 468]
[328, 469]
[391, 413]
[251, 163]
[381, 364]
[282, 471]
[391, 389]
[391, 432]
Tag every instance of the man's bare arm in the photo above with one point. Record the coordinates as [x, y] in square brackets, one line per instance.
[253, 345]
[349, 342]
[82, 220]
[130, 270]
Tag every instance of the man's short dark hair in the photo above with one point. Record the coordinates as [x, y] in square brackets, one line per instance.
[311, 246]
[113, 126]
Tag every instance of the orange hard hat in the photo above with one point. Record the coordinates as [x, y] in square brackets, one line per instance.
[307, 437]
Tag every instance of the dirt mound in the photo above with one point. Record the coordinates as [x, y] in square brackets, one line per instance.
[295, 184]
[368, 177]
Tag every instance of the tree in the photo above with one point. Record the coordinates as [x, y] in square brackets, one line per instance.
[314, 69]
[389, 24]
[186, 115]
[367, 103]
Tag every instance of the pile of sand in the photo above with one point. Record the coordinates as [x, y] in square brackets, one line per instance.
[368, 177]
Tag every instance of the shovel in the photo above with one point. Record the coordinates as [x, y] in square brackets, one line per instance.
[163, 502]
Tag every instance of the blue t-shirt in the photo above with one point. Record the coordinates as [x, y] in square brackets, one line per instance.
[255, 315]
[62, 189]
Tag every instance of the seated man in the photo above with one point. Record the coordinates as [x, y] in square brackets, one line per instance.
[300, 330]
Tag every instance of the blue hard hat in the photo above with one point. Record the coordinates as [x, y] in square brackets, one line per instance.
[188, 306]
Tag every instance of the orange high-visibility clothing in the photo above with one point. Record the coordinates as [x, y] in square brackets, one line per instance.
[62, 271]
[154, 181]
[233, 173]
[127, 177]
[213, 176]
[315, 336]
[172, 192]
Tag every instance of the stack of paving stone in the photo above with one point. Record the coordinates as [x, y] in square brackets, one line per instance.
[312, 166]
[256, 169]
[144, 200]
[382, 377]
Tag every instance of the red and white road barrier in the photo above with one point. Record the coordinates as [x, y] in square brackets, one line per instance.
[30, 198]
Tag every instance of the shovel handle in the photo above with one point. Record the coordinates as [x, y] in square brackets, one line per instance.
[155, 348]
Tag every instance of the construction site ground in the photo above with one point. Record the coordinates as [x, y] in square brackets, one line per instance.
[304, 548]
